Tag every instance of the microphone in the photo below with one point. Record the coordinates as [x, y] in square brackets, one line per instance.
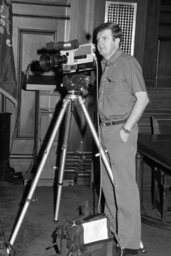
[74, 44]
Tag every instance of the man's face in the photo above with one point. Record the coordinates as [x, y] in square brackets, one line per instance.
[105, 43]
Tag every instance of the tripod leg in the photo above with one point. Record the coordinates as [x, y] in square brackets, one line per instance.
[38, 173]
[62, 161]
[95, 136]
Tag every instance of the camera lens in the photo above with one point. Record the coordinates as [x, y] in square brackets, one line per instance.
[48, 61]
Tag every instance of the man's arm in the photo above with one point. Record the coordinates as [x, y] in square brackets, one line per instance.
[136, 113]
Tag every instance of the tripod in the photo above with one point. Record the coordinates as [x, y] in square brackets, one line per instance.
[71, 97]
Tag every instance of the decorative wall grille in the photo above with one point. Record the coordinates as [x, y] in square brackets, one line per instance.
[124, 14]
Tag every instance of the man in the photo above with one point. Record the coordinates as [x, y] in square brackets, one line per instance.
[122, 100]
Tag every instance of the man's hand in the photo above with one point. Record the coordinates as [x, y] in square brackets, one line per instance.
[124, 135]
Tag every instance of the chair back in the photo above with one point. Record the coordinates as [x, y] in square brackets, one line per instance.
[161, 125]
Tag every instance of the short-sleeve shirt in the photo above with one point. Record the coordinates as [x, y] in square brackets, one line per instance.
[121, 78]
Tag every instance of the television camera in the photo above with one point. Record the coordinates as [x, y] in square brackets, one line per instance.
[72, 60]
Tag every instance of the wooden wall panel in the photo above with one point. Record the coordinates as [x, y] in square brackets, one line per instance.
[29, 37]
[63, 3]
[163, 65]
[48, 11]
[151, 42]
[82, 20]
[30, 41]
[34, 24]
[140, 33]
[163, 70]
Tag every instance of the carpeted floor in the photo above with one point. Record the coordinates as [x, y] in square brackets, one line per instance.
[35, 234]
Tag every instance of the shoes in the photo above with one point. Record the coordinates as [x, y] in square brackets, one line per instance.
[130, 252]
[126, 252]
[8, 174]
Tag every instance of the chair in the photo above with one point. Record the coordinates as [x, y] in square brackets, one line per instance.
[161, 125]
[161, 181]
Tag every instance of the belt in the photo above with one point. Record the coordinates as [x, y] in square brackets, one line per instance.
[110, 123]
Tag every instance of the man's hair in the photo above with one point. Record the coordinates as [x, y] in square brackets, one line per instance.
[115, 29]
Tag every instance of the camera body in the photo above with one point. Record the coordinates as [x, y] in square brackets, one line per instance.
[70, 60]
[79, 59]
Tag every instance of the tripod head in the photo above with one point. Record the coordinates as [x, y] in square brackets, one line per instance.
[77, 83]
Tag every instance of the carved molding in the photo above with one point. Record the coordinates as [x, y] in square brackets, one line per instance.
[44, 2]
[41, 10]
